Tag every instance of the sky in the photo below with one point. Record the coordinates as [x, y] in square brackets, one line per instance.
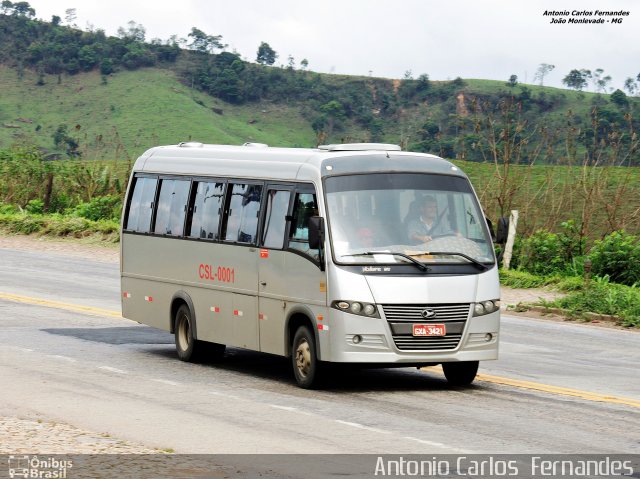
[487, 39]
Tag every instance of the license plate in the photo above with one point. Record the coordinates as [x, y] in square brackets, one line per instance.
[429, 330]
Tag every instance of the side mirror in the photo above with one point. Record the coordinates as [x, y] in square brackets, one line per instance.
[503, 230]
[316, 232]
[316, 237]
[492, 231]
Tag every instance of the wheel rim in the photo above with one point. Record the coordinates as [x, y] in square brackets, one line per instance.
[303, 358]
[183, 332]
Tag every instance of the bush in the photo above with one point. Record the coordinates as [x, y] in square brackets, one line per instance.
[21, 223]
[520, 279]
[546, 253]
[542, 254]
[7, 209]
[59, 225]
[35, 207]
[100, 208]
[605, 298]
[618, 257]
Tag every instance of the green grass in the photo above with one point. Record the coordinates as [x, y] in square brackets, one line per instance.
[602, 297]
[56, 225]
[134, 111]
[597, 295]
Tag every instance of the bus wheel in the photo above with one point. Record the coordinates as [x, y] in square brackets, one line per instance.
[304, 358]
[186, 344]
[460, 374]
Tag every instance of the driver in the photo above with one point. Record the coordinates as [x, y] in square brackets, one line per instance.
[428, 224]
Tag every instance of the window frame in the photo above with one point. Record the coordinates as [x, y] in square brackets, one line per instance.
[127, 212]
[191, 204]
[161, 179]
[300, 188]
[291, 188]
[225, 211]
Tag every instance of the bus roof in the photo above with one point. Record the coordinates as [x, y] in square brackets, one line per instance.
[255, 160]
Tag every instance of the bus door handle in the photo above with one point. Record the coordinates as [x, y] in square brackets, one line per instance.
[263, 283]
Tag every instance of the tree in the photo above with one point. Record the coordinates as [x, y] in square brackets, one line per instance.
[62, 139]
[543, 70]
[304, 64]
[204, 43]
[619, 98]
[23, 9]
[70, 16]
[513, 81]
[266, 54]
[600, 82]
[577, 79]
[135, 33]
[6, 7]
[424, 84]
[333, 113]
[630, 86]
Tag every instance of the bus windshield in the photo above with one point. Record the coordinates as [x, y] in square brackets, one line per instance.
[383, 218]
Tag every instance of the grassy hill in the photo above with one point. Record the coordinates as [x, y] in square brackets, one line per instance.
[121, 115]
[133, 111]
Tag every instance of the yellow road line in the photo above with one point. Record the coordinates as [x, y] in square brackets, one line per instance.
[589, 396]
[518, 383]
[76, 308]
[547, 388]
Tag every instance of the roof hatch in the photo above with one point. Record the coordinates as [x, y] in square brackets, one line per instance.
[360, 147]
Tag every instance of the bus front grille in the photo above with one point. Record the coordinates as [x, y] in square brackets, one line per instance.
[409, 343]
[401, 319]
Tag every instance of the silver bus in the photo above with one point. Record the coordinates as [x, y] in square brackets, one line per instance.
[348, 253]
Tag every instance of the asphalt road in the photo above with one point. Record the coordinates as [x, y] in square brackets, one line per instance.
[112, 375]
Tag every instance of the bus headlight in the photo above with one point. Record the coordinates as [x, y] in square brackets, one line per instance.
[486, 307]
[356, 307]
[369, 310]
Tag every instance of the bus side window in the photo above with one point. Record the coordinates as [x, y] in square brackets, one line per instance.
[141, 205]
[304, 207]
[275, 220]
[172, 207]
[207, 209]
[242, 213]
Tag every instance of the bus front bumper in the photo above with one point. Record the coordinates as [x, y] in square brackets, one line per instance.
[358, 339]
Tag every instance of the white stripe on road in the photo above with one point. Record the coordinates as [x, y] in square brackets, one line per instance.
[166, 381]
[113, 370]
[438, 444]
[362, 426]
[65, 358]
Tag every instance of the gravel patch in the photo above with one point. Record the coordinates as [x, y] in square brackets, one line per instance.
[28, 436]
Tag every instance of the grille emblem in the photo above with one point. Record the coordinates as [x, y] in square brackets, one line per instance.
[428, 313]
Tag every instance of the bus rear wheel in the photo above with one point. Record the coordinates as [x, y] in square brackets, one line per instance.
[186, 344]
[306, 367]
[460, 374]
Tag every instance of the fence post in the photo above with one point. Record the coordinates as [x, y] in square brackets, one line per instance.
[47, 192]
[511, 237]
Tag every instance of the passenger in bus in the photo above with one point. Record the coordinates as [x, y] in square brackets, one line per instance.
[428, 224]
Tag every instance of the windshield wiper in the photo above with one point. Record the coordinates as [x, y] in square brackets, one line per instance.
[420, 265]
[475, 262]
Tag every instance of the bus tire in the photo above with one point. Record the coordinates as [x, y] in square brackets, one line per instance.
[306, 367]
[460, 374]
[186, 345]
